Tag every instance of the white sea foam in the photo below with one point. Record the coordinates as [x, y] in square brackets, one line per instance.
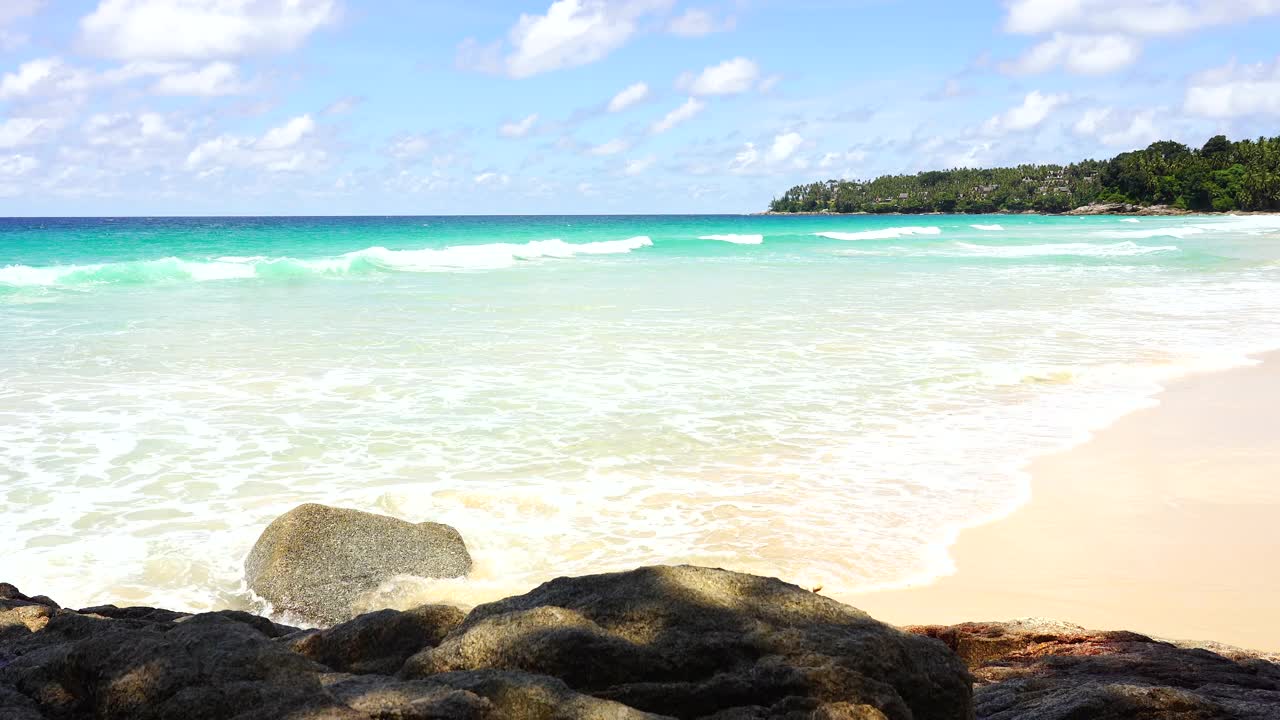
[1171, 232]
[1121, 249]
[1130, 220]
[988, 228]
[885, 234]
[233, 267]
[736, 239]
[574, 427]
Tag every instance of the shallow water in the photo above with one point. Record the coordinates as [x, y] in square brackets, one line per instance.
[827, 399]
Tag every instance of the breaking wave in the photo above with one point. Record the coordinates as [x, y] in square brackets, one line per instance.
[369, 260]
[736, 239]
[884, 234]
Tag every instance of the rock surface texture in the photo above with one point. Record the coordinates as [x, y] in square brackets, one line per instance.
[656, 642]
[314, 561]
[1055, 671]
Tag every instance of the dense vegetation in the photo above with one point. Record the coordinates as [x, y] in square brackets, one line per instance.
[1221, 176]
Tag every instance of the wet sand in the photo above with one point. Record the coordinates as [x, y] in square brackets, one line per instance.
[1167, 523]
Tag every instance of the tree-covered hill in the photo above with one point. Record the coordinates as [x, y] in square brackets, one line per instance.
[1221, 176]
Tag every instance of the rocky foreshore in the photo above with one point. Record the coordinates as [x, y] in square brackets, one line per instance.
[683, 642]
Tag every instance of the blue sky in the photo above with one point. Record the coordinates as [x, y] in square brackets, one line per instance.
[135, 107]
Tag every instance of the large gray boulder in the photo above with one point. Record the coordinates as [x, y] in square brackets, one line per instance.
[314, 561]
[694, 642]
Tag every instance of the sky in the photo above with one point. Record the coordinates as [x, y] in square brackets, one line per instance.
[287, 107]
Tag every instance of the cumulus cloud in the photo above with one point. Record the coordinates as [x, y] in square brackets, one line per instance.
[43, 76]
[1101, 36]
[1235, 90]
[12, 11]
[53, 77]
[685, 112]
[1118, 128]
[730, 77]
[1080, 54]
[409, 147]
[784, 146]
[280, 149]
[491, 178]
[129, 130]
[518, 128]
[13, 166]
[613, 147]
[751, 159]
[216, 78]
[1130, 17]
[201, 29]
[569, 34]
[1034, 110]
[639, 165]
[19, 131]
[696, 22]
[629, 96]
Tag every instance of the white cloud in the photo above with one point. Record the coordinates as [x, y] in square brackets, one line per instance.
[201, 29]
[750, 159]
[280, 149]
[569, 34]
[1235, 90]
[12, 11]
[128, 130]
[1119, 129]
[14, 165]
[216, 78]
[784, 146]
[745, 158]
[43, 76]
[1035, 109]
[639, 165]
[1100, 36]
[629, 96]
[1080, 54]
[728, 78]
[409, 147]
[686, 111]
[492, 178]
[832, 159]
[613, 147]
[695, 22]
[1131, 17]
[519, 128]
[289, 134]
[20, 131]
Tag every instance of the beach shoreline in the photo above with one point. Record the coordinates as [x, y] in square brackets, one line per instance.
[1160, 524]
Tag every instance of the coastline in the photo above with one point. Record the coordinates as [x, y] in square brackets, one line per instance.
[1162, 523]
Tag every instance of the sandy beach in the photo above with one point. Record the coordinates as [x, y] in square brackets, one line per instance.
[1165, 523]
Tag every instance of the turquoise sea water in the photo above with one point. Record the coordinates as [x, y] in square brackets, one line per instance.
[828, 399]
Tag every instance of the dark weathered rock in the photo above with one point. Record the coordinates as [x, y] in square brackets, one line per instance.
[692, 642]
[314, 561]
[377, 642]
[653, 643]
[488, 694]
[1055, 671]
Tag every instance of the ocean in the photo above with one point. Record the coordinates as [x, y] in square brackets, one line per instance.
[822, 398]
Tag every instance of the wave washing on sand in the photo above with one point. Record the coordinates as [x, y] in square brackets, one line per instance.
[736, 239]
[598, 416]
[885, 234]
[492, 256]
